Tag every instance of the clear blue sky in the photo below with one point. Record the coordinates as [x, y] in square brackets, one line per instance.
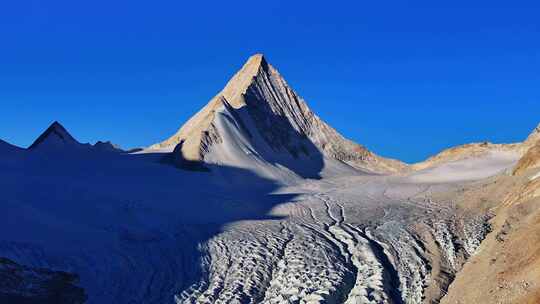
[404, 79]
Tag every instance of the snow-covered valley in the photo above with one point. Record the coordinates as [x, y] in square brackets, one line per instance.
[139, 231]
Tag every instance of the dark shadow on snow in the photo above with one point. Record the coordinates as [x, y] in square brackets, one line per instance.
[145, 217]
[305, 159]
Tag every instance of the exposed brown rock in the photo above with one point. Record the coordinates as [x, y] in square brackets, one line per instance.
[530, 160]
[505, 269]
[534, 137]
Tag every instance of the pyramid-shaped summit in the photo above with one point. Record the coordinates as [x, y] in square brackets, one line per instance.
[56, 136]
[259, 114]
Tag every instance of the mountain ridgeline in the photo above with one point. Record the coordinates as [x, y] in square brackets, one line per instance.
[57, 138]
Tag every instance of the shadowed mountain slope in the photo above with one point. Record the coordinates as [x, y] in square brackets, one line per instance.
[56, 136]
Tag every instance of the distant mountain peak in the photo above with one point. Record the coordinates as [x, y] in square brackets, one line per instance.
[55, 135]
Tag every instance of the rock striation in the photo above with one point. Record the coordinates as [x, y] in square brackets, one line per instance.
[530, 160]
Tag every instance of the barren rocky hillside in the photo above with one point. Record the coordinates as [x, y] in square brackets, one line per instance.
[505, 270]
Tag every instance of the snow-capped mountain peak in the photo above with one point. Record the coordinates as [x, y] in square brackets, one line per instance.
[258, 100]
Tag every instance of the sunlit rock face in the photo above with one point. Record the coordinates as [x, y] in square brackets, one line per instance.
[272, 117]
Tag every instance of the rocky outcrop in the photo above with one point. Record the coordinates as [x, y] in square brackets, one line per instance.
[280, 116]
[533, 138]
[177, 159]
[530, 160]
[25, 285]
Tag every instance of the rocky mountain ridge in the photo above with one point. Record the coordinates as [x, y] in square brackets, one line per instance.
[475, 150]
